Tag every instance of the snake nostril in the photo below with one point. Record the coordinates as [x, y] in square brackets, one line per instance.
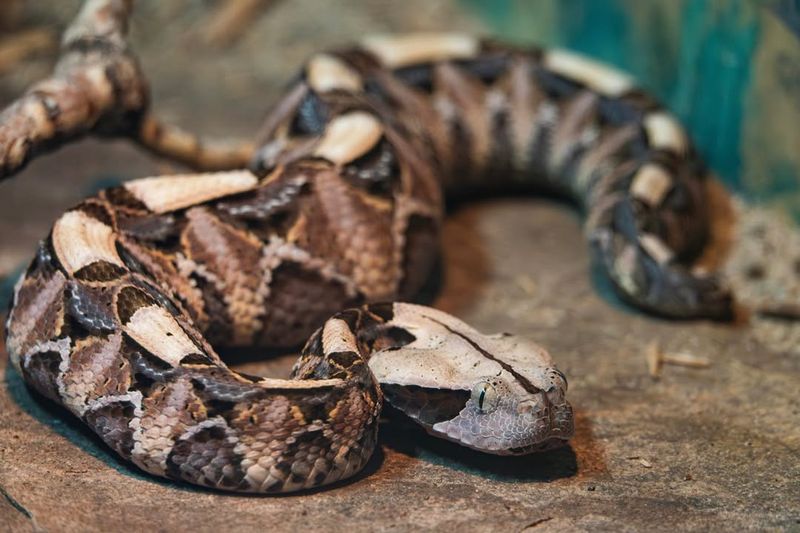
[559, 379]
[555, 395]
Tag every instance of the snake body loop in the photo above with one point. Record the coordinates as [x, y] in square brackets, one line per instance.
[341, 207]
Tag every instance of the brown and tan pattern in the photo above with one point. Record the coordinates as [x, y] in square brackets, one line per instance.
[341, 206]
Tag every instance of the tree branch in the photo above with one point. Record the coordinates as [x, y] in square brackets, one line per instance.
[172, 142]
[98, 87]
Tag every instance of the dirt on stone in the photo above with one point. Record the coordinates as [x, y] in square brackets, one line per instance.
[700, 448]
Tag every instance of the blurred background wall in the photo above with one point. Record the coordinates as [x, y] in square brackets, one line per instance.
[730, 69]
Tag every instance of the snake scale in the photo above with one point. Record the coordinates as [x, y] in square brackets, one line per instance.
[341, 207]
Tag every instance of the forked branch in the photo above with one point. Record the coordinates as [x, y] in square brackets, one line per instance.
[98, 87]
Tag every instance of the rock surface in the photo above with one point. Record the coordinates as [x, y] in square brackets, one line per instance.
[699, 448]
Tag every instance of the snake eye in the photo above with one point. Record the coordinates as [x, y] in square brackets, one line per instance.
[485, 397]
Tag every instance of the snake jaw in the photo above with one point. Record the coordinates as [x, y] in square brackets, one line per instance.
[521, 424]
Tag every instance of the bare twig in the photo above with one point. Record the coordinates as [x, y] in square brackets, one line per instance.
[785, 312]
[231, 18]
[656, 359]
[179, 145]
[536, 523]
[686, 359]
[642, 461]
[97, 87]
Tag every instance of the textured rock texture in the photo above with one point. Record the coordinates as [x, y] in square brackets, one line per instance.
[714, 448]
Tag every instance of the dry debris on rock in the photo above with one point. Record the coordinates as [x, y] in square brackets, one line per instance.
[717, 448]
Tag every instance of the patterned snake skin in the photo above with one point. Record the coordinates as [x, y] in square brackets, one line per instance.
[116, 316]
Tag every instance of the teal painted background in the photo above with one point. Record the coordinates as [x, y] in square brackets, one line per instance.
[730, 69]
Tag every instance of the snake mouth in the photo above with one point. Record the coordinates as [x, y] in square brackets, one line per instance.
[560, 432]
[551, 442]
[545, 433]
[560, 427]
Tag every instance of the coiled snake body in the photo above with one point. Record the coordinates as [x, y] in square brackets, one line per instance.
[117, 314]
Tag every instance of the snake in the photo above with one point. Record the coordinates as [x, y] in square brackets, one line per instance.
[341, 207]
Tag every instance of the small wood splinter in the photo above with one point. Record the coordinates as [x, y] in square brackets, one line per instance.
[642, 461]
[656, 359]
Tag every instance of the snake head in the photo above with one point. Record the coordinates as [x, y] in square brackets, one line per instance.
[504, 418]
[499, 394]
[498, 416]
